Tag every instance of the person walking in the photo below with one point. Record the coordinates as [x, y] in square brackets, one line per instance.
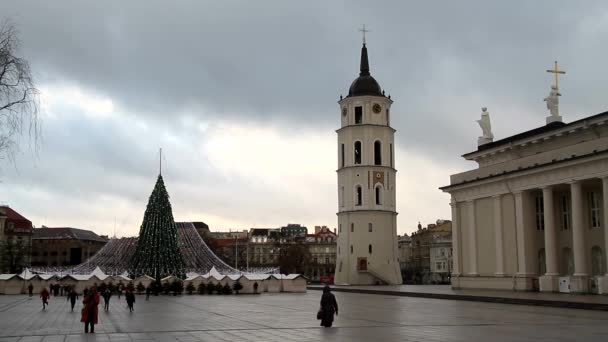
[119, 290]
[44, 294]
[72, 297]
[130, 298]
[148, 291]
[107, 294]
[30, 289]
[89, 312]
[329, 306]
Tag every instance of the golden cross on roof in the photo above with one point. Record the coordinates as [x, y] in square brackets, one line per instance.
[364, 31]
[556, 71]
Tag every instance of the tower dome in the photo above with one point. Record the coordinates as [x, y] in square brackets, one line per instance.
[365, 84]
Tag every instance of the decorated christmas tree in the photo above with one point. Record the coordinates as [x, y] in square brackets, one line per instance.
[157, 253]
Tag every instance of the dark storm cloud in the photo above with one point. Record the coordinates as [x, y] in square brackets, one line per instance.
[281, 64]
[289, 61]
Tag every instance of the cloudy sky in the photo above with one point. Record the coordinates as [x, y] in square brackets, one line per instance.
[241, 96]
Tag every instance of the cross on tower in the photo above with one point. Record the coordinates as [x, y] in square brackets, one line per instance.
[555, 71]
[364, 31]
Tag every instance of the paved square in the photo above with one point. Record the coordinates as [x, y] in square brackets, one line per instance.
[291, 317]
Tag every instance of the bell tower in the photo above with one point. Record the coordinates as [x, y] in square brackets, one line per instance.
[367, 218]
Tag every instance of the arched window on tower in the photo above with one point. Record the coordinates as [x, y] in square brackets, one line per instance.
[357, 152]
[359, 195]
[352, 227]
[378, 195]
[370, 249]
[377, 152]
[341, 155]
[369, 227]
[390, 153]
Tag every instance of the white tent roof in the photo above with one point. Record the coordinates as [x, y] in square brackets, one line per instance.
[99, 273]
[79, 277]
[286, 276]
[47, 276]
[193, 276]
[143, 277]
[257, 276]
[27, 274]
[7, 276]
[235, 276]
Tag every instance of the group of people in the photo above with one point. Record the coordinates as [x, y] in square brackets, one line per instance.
[90, 315]
[91, 298]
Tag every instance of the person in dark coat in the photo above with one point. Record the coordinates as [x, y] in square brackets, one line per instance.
[72, 297]
[106, 299]
[148, 291]
[130, 298]
[329, 306]
[44, 294]
[30, 289]
[89, 312]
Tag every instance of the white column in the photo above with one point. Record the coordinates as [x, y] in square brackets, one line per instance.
[550, 232]
[520, 231]
[472, 238]
[604, 223]
[455, 238]
[500, 263]
[578, 230]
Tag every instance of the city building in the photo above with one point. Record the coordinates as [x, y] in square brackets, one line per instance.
[367, 217]
[322, 248]
[534, 213]
[404, 253]
[64, 246]
[420, 268]
[15, 240]
[294, 232]
[441, 259]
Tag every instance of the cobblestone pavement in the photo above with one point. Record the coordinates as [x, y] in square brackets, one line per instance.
[291, 317]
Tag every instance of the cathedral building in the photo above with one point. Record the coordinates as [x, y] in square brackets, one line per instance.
[367, 217]
[533, 215]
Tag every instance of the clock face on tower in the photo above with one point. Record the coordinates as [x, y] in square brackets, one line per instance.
[376, 108]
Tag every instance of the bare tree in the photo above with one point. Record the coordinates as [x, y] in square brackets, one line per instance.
[19, 99]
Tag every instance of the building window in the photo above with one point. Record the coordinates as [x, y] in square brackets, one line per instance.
[390, 151]
[342, 196]
[540, 213]
[327, 261]
[351, 249]
[369, 227]
[359, 195]
[45, 253]
[342, 155]
[378, 201]
[352, 227]
[340, 228]
[369, 248]
[357, 152]
[53, 253]
[594, 207]
[565, 212]
[377, 152]
[388, 117]
[358, 115]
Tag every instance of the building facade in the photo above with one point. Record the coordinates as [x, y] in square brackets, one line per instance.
[367, 217]
[533, 214]
[15, 240]
[322, 248]
[59, 247]
[427, 245]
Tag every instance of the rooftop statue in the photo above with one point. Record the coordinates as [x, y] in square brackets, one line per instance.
[553, 101]
[486, 127]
